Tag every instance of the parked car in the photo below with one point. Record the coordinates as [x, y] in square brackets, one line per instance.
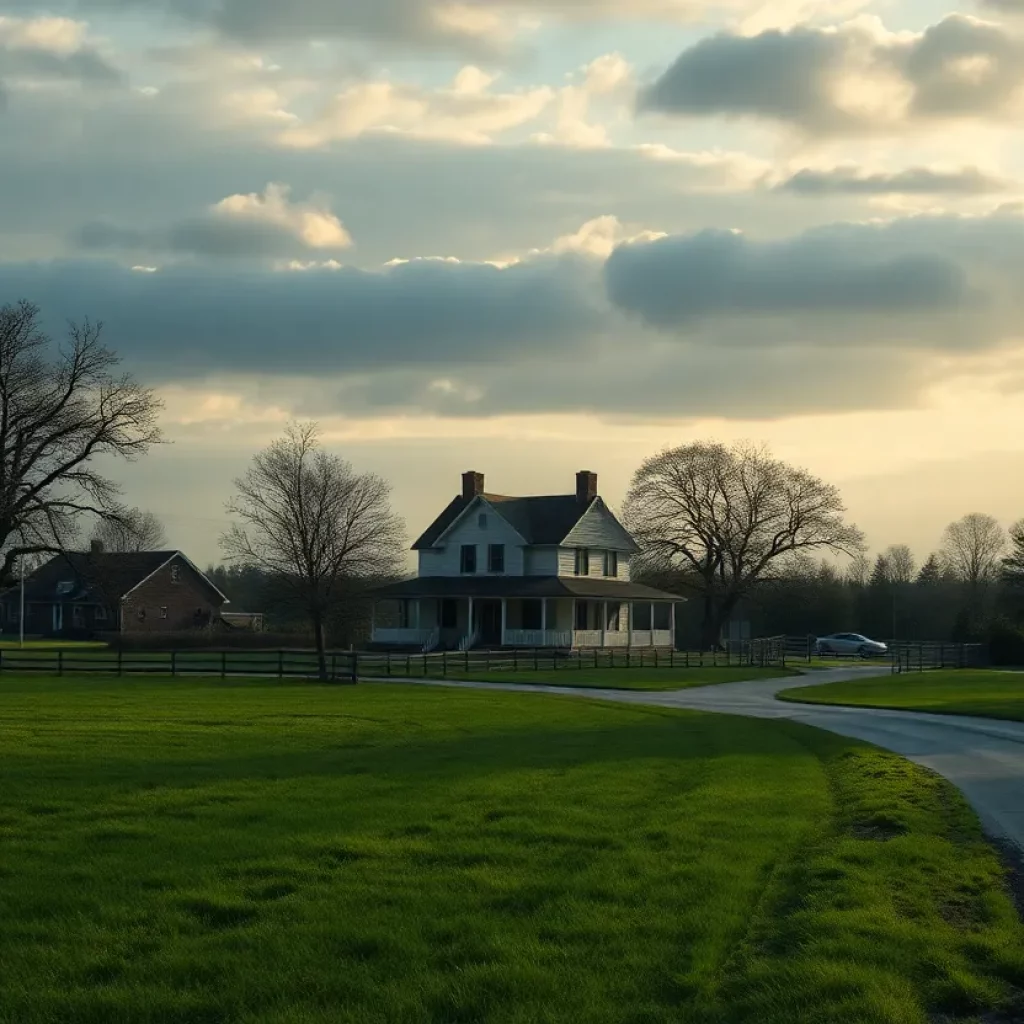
[850, 643]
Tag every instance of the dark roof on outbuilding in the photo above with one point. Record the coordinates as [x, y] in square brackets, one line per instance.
[543, 520]
[588, 588]
[104, 576]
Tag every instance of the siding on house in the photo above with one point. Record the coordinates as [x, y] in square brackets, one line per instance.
[598, 528]
[160, 604]
[541, 561]
[567, 563]
[447, 560]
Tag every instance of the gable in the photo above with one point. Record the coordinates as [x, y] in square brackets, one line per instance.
[599, 528]
[466, 525]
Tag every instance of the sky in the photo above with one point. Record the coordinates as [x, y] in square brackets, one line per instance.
[536, 236]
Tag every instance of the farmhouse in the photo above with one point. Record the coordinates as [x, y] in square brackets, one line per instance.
[544, 571]
[76, 595]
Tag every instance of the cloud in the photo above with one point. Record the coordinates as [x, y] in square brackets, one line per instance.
[477, 27]
[856, 78]
[661, 325]
[46, 50]
[672, 281]
[254, 225]
[854, 181]
[467, 111]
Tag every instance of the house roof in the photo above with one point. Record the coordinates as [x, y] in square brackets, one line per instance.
[542, 520]
[105, 575]
[590, 588]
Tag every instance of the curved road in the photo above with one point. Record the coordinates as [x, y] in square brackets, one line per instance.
[983, 757]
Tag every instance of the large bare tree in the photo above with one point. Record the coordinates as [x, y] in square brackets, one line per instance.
[318, 528]
[131, 530]
[900, 564]
[971, 550]
[727, 517]
[63, 409]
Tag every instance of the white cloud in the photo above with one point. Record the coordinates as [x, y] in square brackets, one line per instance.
[50, 50]
[468, 112]
[252, 225]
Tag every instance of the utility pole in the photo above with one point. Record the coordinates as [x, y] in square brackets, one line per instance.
[21, 616]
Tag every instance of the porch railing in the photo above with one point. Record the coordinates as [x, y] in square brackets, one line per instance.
[538, 638]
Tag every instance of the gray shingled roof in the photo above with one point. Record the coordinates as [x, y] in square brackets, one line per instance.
[545, 519]
[107, 576]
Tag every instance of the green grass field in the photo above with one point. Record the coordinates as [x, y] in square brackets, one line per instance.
[986, 692]
[625, 678]
[183, 852]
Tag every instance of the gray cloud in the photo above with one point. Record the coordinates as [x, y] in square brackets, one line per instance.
[850, 180]
[852, 79]
[703, 321]
[85, 65]
[676, 280]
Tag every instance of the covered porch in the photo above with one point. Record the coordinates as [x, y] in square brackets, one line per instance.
[615, 617]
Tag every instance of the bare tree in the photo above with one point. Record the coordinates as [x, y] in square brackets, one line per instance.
[728, 516]
[1013, 564]
[61, 411]
[900, 565]
[131, 530]
[858, 572]
[321, 530]
[971, 550]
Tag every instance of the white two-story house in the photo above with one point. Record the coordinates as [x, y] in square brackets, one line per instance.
[544, 571]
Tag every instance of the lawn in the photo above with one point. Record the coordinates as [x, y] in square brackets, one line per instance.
[186, 852]
[986, 692]
[626, 678]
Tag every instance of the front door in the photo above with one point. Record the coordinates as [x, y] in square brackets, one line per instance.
[581, 615]
[489, 623]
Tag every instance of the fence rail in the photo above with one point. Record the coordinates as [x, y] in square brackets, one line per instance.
[352, 665]
[902, 655]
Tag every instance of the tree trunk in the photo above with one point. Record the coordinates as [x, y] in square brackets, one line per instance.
[321, 645]
[716, 615]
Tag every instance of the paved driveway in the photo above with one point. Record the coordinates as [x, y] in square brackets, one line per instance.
[983, 757]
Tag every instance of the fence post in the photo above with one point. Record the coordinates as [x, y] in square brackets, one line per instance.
[444, 663]
[1, 660]
[174, 664]
[120, 655]
[60, 663]
[425, 666]
[467, 661]
[334, 666]
[536, 660]
[655, 657]
[280, 664]
[223, 664]
[355, 666]
[595, 659]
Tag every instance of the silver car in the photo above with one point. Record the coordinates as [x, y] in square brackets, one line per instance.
[850, 644]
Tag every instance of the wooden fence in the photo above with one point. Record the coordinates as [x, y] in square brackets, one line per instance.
[353, 665]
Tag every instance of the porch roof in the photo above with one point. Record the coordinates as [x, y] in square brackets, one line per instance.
[523, 586]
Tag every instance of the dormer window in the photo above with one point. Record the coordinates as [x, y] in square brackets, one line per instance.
[65, 587]
[175, 573]
[582, 562]
[611, 563]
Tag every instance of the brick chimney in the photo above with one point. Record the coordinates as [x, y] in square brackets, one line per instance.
[586, 486]
[472, 485]
[96, 547]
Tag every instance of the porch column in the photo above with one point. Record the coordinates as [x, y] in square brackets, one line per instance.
[469, 628]
[419, 612]
[544, 617]
[504, 619]
[672, 622]
[604, 623]
[652, 623]
[572, 634]
[629, 624]
[373, 618]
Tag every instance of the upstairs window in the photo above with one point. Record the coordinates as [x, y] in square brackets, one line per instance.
[65, 587]
[481, 520]
[467, 559]
[175, 573]
[611, 563]
[582, 562]
[496, 558]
